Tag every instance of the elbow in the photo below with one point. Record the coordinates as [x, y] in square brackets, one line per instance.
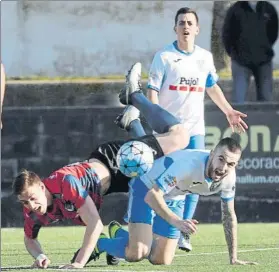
[29, 241]
[152, 198]
[148, 197]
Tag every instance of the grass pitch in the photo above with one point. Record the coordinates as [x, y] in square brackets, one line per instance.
[257, 242]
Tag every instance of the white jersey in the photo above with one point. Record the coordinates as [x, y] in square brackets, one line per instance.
[181, 79]
[183, 172]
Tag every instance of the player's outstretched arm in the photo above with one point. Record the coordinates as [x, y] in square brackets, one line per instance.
[155, 199]
[230, 228]
[234, 117]
[34, 248]
[94, 226]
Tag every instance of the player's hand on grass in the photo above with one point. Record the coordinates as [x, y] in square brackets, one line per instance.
[71, 266]
[187, 226]
[42, 261]
[235, 120]
[239, 262]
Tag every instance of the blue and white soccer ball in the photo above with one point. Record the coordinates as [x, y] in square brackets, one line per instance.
[135, 159]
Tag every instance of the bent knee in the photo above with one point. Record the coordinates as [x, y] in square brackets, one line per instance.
[137, 253]
[177, 127]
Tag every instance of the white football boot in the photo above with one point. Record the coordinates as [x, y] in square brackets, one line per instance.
[184, 243]
[133, 84]
[124, 119]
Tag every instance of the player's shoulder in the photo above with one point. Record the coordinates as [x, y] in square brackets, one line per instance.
[169, 48]
[53, 181]
[230, 179]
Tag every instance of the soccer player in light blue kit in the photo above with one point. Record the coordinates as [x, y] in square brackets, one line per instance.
[180, 75]
[156, 201]
[156, 204]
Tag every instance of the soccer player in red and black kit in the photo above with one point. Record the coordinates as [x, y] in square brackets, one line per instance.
[76, 191]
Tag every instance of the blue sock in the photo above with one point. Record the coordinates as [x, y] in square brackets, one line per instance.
[122, 233]
[190, 206]
[135, 129]
[115, 247]
[159, 119]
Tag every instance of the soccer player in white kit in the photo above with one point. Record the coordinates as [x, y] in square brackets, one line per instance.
[179, 76]
[162, 190]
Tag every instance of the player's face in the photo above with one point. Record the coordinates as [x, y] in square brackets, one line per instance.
[186, 27]
[34, 198]
[222, 162]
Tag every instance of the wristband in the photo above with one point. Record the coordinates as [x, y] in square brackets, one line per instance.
[41, 257]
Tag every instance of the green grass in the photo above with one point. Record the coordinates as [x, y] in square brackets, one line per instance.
[257, 242]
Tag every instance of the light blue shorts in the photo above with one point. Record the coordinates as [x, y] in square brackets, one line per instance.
[140, 212]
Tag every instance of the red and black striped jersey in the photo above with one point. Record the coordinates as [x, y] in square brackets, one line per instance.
[69, 186]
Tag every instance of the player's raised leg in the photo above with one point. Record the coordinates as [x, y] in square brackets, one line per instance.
[159, 119]
[129, 120]
[172, 135]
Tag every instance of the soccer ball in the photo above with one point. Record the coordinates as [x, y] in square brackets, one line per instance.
[134, 159]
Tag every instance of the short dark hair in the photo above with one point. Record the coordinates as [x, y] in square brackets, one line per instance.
[24, 180]
[184, 11]
[230, 143]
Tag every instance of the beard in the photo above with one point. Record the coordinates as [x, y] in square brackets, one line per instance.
[210, 171]
[214, 174]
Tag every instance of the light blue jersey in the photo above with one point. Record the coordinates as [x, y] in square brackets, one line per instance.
[183, 172]
[177, 174]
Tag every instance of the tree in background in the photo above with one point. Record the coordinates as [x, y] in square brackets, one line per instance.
[221, 59]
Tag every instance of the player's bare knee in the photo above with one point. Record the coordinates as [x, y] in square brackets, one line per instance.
[137, 253]
[176, 128]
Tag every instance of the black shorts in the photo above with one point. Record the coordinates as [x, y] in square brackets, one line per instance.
[107, 152]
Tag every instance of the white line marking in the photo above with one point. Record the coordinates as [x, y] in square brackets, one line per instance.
[225, 252]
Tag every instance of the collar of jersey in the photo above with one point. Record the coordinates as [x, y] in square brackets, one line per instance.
[185, 53]
[207, 179]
